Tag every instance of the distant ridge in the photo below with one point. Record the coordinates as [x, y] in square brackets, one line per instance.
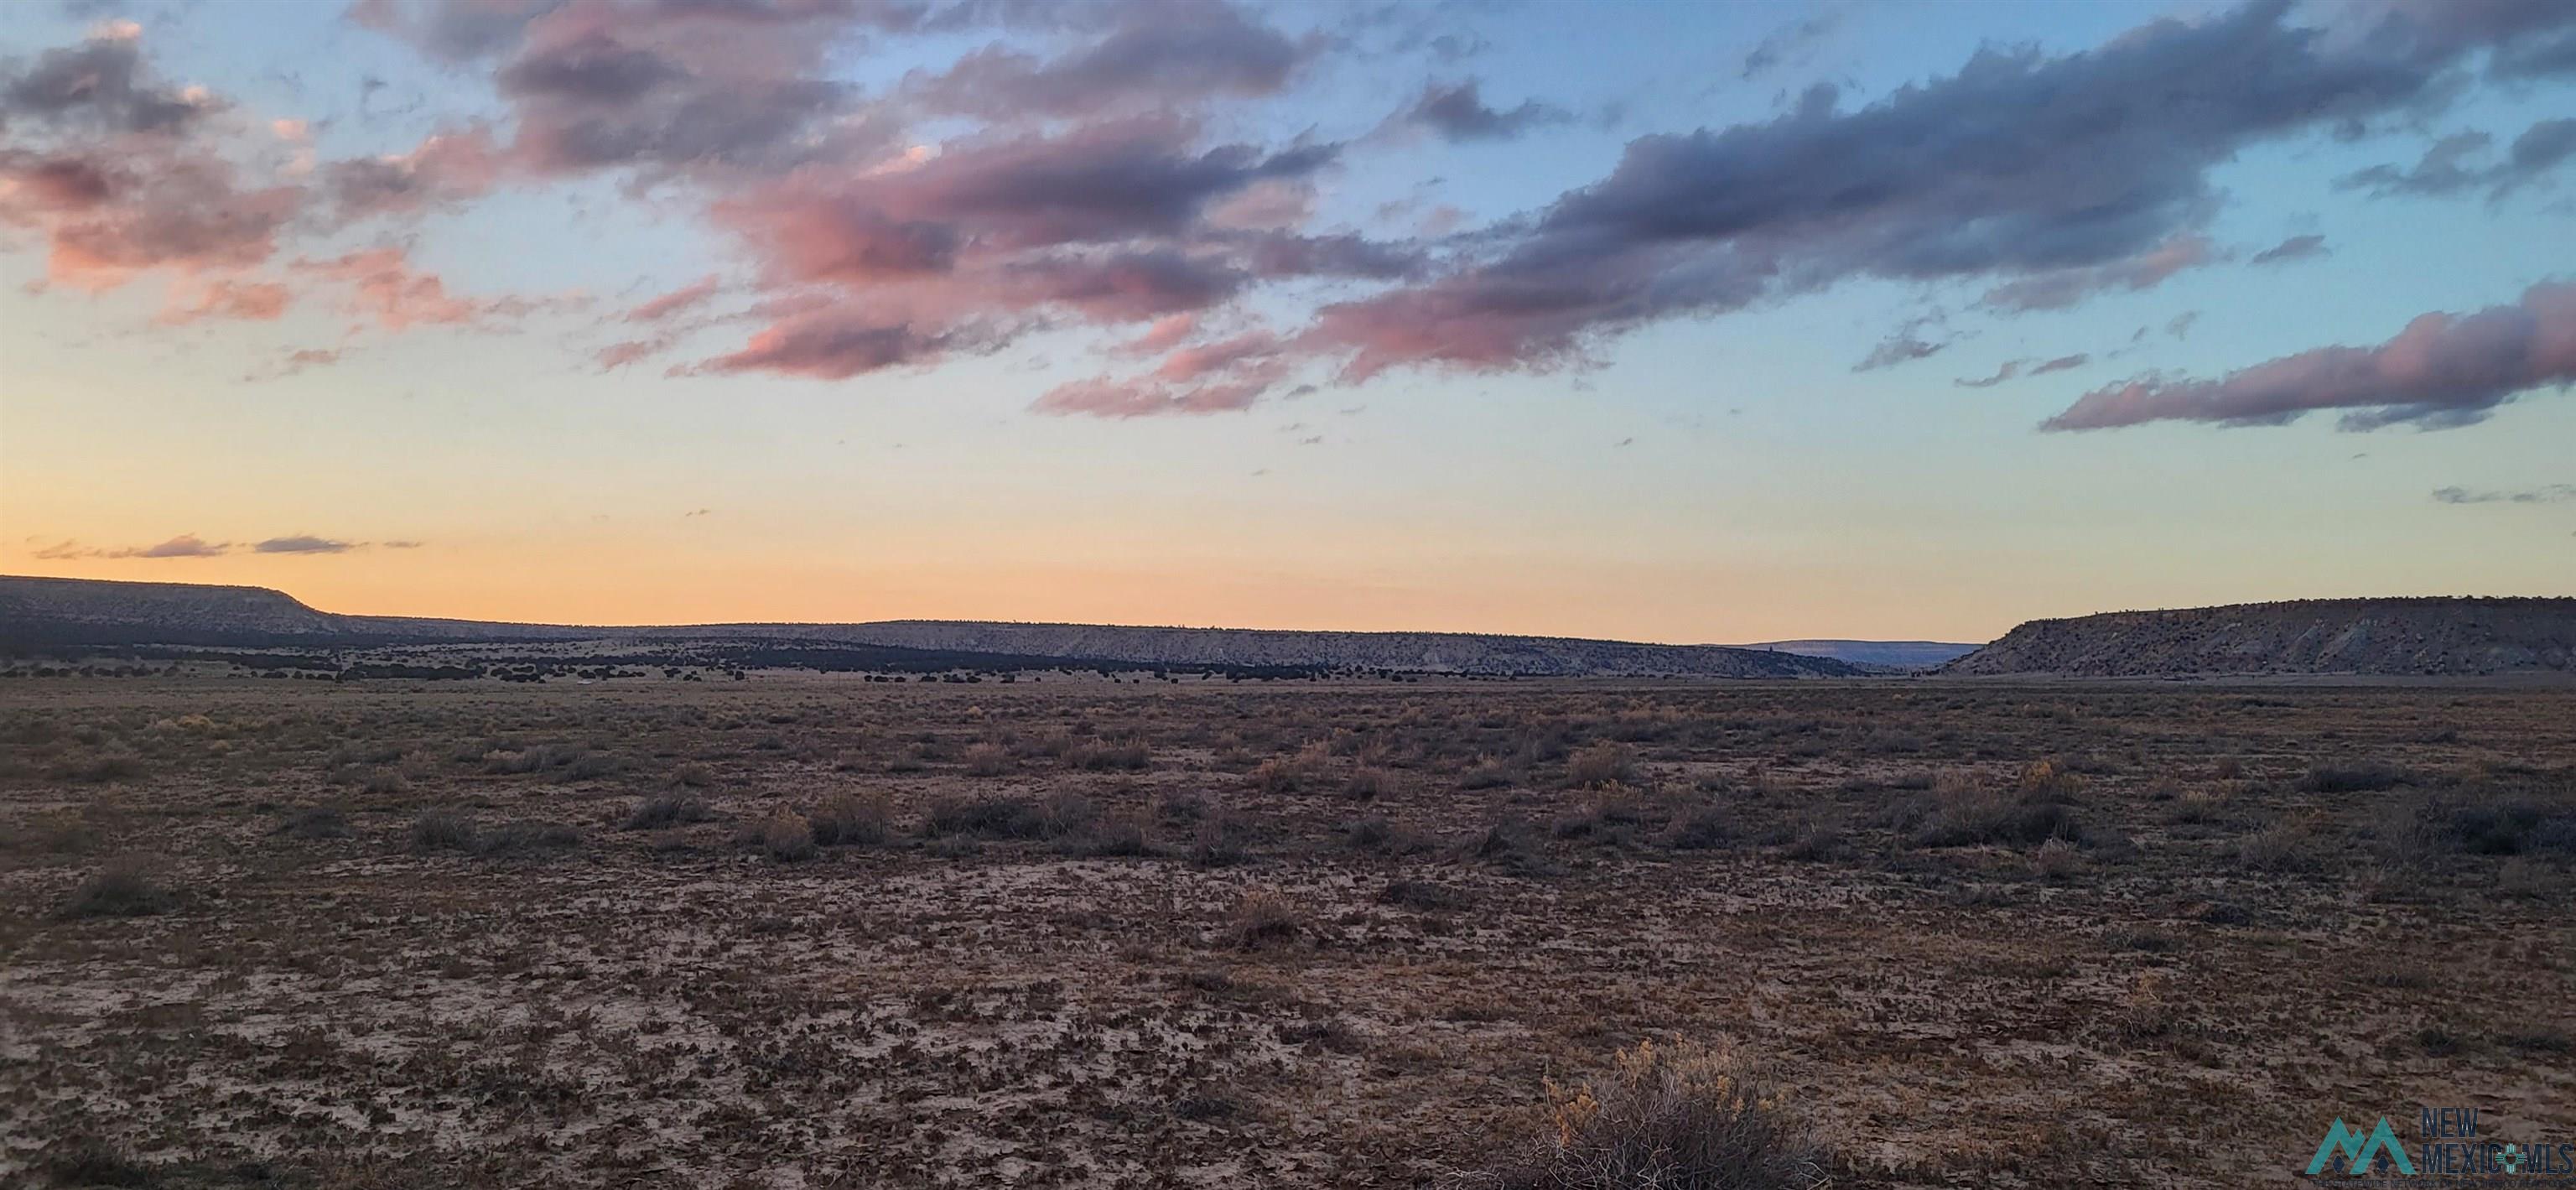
[2391, 637]
[1885, 654]
[98, 611]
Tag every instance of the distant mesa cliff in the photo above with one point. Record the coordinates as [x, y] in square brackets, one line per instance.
[2390, 637]
[60, 611]
[1884, 654]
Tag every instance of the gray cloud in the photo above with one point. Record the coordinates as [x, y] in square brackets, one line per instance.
[2556, 493]
[2449, 166]
[2059, 175]
[2028, 367]
[2294, 248]
[1457, 112]
[1790, 44]
[2443, 370]
[303, 543]
[1157, 55]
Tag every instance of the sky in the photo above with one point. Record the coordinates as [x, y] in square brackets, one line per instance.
[1690, 323]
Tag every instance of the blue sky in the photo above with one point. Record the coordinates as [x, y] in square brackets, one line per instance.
[1176, 313]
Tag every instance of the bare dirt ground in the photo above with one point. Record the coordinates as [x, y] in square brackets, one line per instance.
[792, 932]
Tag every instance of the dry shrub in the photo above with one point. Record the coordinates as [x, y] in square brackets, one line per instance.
[516, 838]
[1008, 817]
[1505, 843]
[785, 836]
[1706, 828]
[987, 760]
[1489, 774]
[669, 809]
[1818, 839]
[1680, 1116]
[1264, 919]
[1422, 894]
[2288, 845]
[1382, 835]
[1368, 783]
[318, 823]
[2351, 777]
[1966, 812]
[1220, 839]
[852, 819]
[1610, 817]
[1128, 755]
[1113, 836]
[2050, 781]
[2198, 807]
[2057, 859]
[1601, 764]
[115, 766]
[123, 888]
[1284, 774]
[442, 830]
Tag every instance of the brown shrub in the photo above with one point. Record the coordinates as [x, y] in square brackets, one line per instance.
[1680, 1116]
[786, 836]
[852, 819]
[1601, 764]
[1264, 919]
[123, 888]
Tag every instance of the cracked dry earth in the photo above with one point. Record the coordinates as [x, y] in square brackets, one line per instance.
[1217, 934]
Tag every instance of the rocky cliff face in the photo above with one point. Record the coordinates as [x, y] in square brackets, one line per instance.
[184, 609]
[81, 610]
[2395, 637]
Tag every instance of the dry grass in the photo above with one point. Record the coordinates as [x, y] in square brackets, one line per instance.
[1988, 935]
[1676, 1116]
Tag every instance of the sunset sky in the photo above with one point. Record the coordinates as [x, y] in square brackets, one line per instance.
[1676, 322]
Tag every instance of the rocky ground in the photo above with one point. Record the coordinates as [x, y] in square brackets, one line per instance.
[798, 931]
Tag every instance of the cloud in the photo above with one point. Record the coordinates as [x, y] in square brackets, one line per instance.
[1906, 345]
[2012, 369]
[2443, 370]
[1157, 56]
[403, 545]
[2448, 167]
[1457, 112]
[382, 282]
[304, 544]
[308, 357]
[1796, 42]
[2006, 371]
[1106, 223]
[443, 169]
[2556, 493]
[258, 301]
[2057, 289]
[1078, 168]
[99, 87]
[185, 545]
[836, 345]
[189, 545]
[2294, 248]
[687, 297]
[2058, 175]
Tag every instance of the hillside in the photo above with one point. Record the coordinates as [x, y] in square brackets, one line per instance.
[41, 611]
[2395, 637]
[1884, 654]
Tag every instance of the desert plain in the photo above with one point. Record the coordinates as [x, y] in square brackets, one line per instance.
[815, 931]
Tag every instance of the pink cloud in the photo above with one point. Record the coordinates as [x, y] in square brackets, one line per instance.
[2442, 370]
[687, 297]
